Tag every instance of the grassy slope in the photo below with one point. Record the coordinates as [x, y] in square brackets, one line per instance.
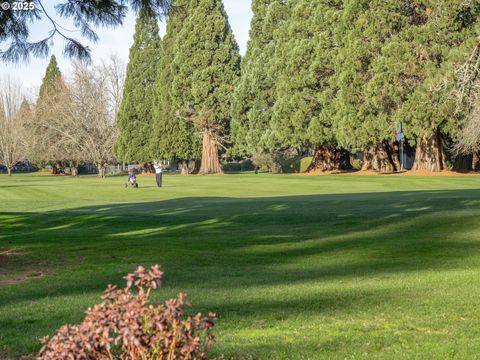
[296, 267]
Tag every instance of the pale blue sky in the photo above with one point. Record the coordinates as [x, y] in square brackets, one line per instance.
[117, 40]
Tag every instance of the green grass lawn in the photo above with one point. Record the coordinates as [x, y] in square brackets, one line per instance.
[296, 267]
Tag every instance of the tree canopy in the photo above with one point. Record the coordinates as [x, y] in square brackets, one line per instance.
[254, 96]
[325, 78]
[50, 81]
[172, 138]
[345, 74]
[15, 25]
[206, 67]
[135, 117]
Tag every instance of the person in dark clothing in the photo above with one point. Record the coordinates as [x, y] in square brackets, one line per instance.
[158, 173]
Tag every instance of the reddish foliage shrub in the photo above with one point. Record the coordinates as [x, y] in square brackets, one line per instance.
[126, 326]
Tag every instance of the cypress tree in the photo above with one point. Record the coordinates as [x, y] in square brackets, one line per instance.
[305, 59]
[428, 111]
[254, 96]
[172, 138]
[366, 26]
[52, 79]
[135, 117]
[206, 68]
[409, 82]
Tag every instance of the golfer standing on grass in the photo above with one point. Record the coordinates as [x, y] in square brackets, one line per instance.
[158, 173]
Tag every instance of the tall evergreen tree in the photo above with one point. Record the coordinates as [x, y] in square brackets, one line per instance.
[254, 96]
[51, 81]
[305, 57]
[206, 68]
[424, 64]
[172, 138]
[407, 81]
[366, 26]
[135, 117]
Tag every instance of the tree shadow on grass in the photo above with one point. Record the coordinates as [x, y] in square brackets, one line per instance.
[408, 229]
[213, 244]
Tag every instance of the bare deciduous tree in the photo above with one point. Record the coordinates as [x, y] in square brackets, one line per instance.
[93, 115]
[12, 140]
[466, 92]
[469, 136]
[53, 130]
[114, 72]
[78, 124]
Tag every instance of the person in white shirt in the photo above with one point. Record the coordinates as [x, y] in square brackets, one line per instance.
[158, 173]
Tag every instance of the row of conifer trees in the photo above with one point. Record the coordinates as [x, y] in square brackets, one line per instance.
[326, 76]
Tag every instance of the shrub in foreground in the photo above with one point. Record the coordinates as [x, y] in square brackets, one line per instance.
[127, 326]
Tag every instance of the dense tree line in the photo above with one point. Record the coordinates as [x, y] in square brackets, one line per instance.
[185, 117]
[329, 78]
[72, 122]
[347, 73]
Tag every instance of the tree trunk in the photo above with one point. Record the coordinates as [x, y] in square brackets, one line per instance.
[467, 163]
[394, 155]
[101, 170]
[328, 158]
[9, 170]
[380, 158]
[184, 168]
[57, 168]
[210, 161]
[189, 167]
[430, 154]
[476, 161]
[73, 168]
[463, 163]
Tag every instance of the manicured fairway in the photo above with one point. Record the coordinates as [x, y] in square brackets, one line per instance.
[328, 267]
